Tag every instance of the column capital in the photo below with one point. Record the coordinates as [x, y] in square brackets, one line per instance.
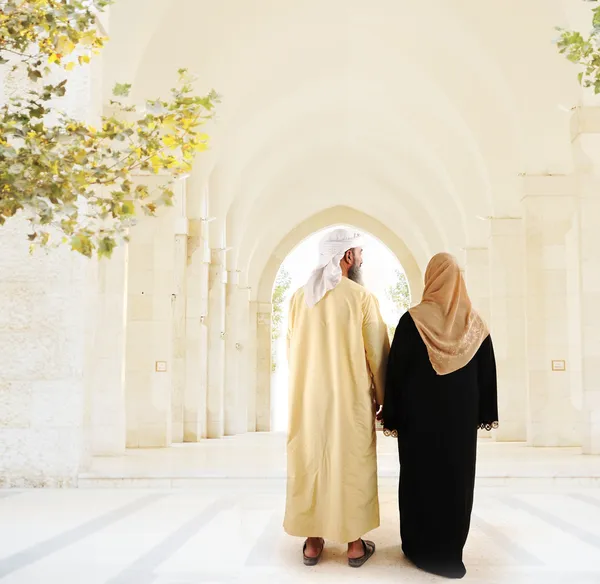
[503, 226]
[218, 256]
[548, 185]
[181, 226]
[585, 120]
[233, 279]
[264, 307]
[476, 256]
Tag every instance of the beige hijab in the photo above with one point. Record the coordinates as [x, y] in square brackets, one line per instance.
[449, 326]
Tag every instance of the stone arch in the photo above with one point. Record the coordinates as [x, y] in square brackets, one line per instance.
[317, 222]
[333, 216]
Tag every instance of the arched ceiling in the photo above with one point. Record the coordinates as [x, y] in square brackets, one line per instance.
[254, 252]
[418, 114]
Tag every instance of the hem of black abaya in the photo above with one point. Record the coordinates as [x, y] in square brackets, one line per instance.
[451, 570]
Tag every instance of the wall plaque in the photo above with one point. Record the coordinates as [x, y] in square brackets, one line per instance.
[559, 365]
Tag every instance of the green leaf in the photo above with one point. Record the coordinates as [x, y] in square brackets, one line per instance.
[34, 75]
[82, 244]
[106, 246]
[127, 209]
[48, 167]
[122, 89]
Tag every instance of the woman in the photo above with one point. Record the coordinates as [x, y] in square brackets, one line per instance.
[441, 387]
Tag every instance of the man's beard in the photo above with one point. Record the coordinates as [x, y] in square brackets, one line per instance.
[355, 274]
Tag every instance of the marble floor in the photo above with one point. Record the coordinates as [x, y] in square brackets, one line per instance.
[212, 513]
[260, 456]
[229, 532]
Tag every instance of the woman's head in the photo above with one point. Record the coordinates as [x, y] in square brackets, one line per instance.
[445, 319]
[442, 274]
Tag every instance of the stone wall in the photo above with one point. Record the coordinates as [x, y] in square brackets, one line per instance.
[47, 309]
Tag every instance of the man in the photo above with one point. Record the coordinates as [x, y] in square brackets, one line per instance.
[337, 349]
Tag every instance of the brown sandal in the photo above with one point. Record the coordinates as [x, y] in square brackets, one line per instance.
[308, 561]
[369, 551]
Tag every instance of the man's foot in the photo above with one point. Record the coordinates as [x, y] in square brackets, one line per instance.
[313, 548]
[359, 552]
[356, 549]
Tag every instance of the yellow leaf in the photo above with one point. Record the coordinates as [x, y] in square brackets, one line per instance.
[65, 45]
[53, 58]
[70, 66]
[88, 39]
[156, 163]
[170, 121]
[170, 141]
[127, 208]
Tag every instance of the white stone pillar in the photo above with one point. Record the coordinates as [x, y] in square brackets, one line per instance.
[586, 140]
[217, 281]
[45, 332]
[508, 325]
[236, 325]
[179, 320]
[196, 385]
[252, 365]
[149, 350]
[263, 367]
[477, 277]
[549, 207]
[245, 358]
[106, 375]
[477, 274]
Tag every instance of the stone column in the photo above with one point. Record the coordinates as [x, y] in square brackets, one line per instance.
[245, 358]
[196, 385]
[149, 351]
[235, 352]
[477, 275]
[217, 280]
[549, 210]
[106, 379]
[252, 365]
[179, 321]
[45, 331]
[263, 367]
[508, 325]
[586, 141]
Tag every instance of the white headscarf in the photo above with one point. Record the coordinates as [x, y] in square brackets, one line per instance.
[329, 274]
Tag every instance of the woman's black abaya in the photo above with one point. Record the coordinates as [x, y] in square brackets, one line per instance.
[437, 418]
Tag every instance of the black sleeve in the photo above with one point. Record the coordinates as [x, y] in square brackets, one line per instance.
[397, 368]
[488, 386]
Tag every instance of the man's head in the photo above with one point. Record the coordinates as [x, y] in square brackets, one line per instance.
[340, 254]
[351, 265]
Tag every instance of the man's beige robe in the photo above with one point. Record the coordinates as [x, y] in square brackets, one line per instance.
[337, 351]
